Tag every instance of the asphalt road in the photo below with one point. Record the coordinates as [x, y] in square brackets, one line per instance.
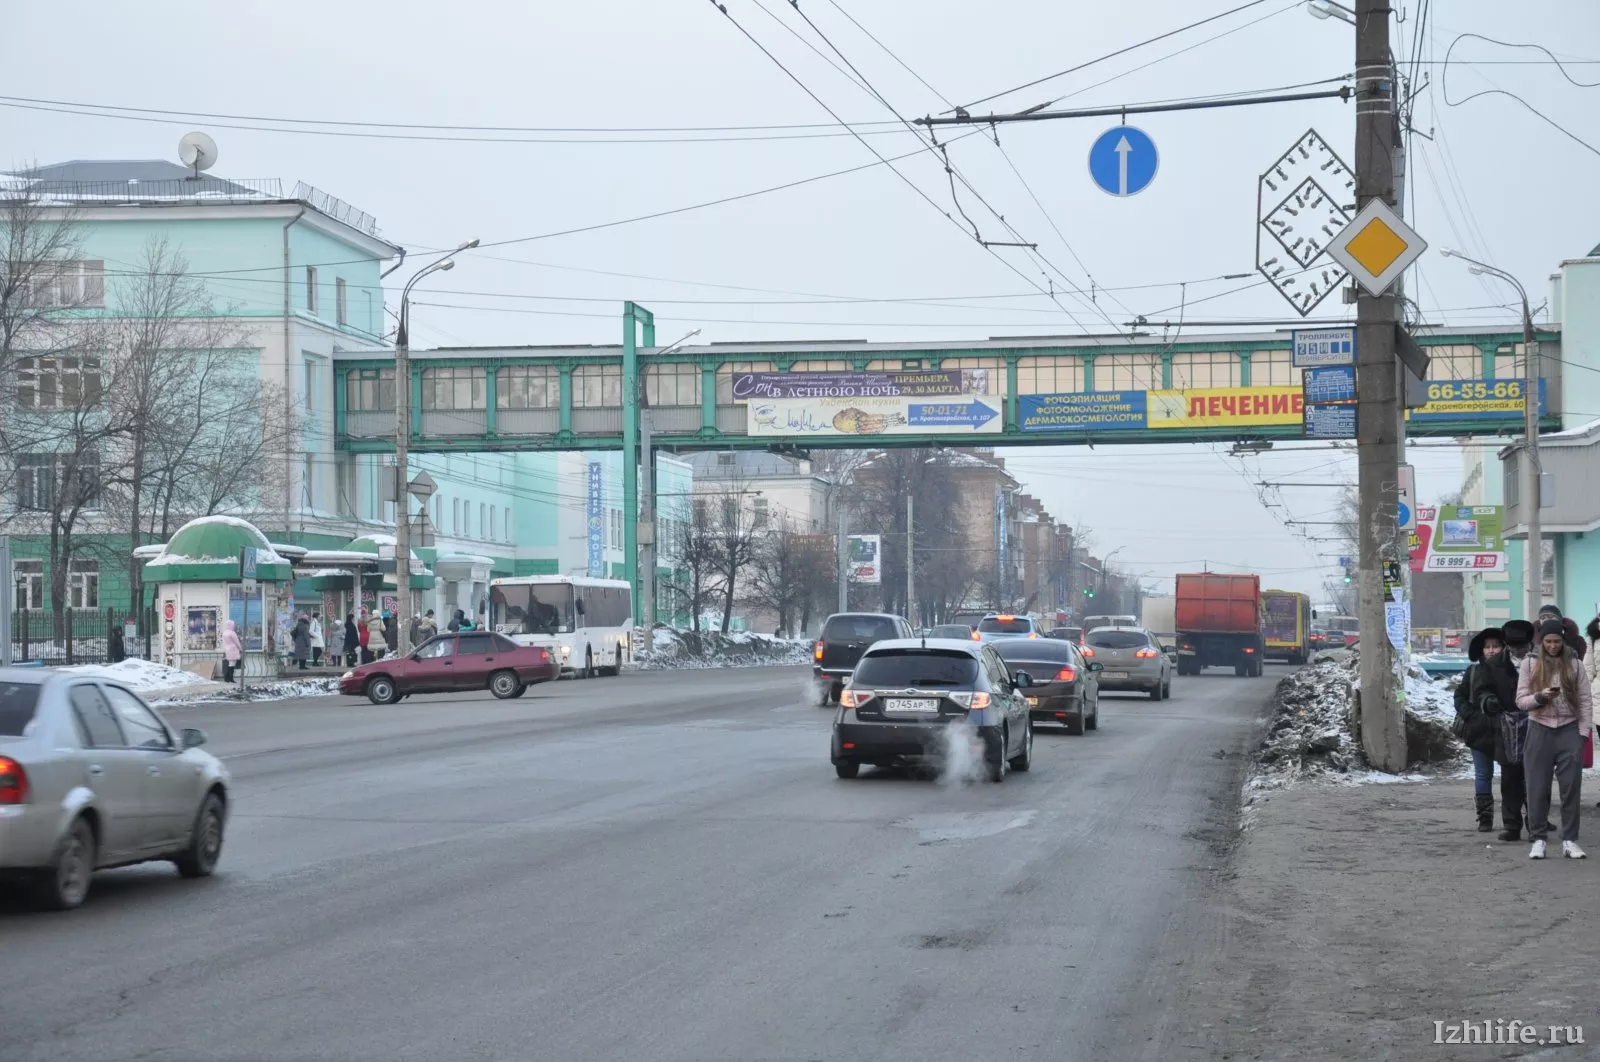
[653, 867]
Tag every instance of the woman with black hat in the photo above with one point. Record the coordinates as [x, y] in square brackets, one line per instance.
[1553, 689]
[1486, 690]
[1513, 736]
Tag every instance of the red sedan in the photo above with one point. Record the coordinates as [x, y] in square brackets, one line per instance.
[448, 663]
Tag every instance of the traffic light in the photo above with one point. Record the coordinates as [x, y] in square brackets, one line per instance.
[1347, 578]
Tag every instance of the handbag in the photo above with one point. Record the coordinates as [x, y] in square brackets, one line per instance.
[1588, 751]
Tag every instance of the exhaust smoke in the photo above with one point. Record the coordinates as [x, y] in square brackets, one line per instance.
[961, 754]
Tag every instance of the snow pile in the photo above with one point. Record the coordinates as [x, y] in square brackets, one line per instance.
[705, 649]
[1314, 733]
[139, 675]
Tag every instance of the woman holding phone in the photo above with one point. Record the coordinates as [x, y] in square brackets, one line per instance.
[1554, 690]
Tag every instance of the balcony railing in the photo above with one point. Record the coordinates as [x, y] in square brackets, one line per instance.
[527, 421]
[369, 423]
[442, 422]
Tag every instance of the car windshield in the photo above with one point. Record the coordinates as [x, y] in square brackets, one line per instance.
[1005, 625]
[1067, 634]
[859, 629]
[531, 608]
[1118, 639]
[1024, 651]
[18, 701]
[951, 630]
[916, 667]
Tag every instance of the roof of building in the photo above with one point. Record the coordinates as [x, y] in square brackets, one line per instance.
[207, 550]
[725, 463]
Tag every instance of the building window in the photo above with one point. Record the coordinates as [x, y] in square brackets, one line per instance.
[597, 385]
[455, 516]
[527, 387]
[311, 289]
[69, 285]
[83, 585]
[369, 389]
[457, 387]
[759, 517]
[29, 576]
[483, 524]
[466, 519]
[346, 471]
[438, 513]
[341, 304]
[506, 523]
[311, 385]
[62, 381]
[43, 480]
[310, 481]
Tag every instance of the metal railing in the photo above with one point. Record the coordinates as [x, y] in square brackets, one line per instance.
[445, 422]
[187, 189]
[527, 421]
[82, 635]
[369, 423]
[336, 208]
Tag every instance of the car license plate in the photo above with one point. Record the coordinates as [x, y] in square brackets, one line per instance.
[1116, 674]
[910, 704]
[1033, 702]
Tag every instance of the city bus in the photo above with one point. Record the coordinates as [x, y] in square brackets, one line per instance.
[587, 624]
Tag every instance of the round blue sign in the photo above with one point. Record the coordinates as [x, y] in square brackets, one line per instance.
[1123, 161]
[1403, 514]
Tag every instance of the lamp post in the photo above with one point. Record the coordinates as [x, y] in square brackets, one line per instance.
[402, 439]
[1529, 495]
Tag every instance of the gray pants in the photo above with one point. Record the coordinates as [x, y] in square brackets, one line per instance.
[1553, 753]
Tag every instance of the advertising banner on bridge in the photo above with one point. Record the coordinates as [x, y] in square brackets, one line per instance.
[895, 415]
[1459, 538]
[751, 386]
[1475, 400]
[1226, 407]
[1094, 411]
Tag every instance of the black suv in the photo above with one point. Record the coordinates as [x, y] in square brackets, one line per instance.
[845, 637]
[906, 692]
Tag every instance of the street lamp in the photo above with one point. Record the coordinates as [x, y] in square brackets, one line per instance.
[402, 437]
[1533, 563]
[1330, 9]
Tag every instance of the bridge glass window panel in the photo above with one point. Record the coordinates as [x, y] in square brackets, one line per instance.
[1461, 362]
[366, 389]
[1206, 369]
[980, 376]
[454, 387]
[726, 373]
[1273, 368]
[1056, 375]
[1508, 363]
[673, 384]
[597, 385]
[527, 387]
[1127, 372]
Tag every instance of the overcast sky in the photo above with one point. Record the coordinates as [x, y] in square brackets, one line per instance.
[1494, 180]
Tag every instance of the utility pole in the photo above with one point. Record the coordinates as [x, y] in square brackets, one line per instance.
[844, 561]
[911, 608]
[1379, 407]
[647, 527]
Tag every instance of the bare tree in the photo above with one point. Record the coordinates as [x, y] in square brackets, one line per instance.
[788, 570]
[696, 571]
[734, 539]
[941, 546]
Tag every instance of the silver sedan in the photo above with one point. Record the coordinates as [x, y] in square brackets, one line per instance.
[91, 777]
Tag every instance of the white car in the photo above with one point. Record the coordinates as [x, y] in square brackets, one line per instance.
[1002, 625]
[91, 777]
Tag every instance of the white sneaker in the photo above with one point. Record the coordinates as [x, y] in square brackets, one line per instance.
[1571, 850]
[1537, 851]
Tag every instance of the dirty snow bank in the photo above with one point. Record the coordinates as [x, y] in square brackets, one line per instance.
[139, 675]
[689, 649]
[1314, 735]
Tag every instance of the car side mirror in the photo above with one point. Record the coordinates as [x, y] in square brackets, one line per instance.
[1096, 666]
[1169, 648]
[1022, 680]
[192, 738]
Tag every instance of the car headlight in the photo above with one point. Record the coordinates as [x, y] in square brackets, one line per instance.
[566, 650]
[347, 674]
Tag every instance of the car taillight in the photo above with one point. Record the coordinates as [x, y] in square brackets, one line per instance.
[1248, 650]
[1066, 674]
[13, 782]
[853, 698]
[1086, 651]
[1033, 635]
[1151, 654]
[977, 637]
[980, 701]
[816, 654]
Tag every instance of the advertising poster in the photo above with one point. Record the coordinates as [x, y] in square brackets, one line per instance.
[200, 629]
[1323, 346]
[866, 558]
[1475, 400]
[1459, 538]
[896, 415]
[750, 386]
[595, 517]
[1226, 407]
[1093, 411]
[244, 608]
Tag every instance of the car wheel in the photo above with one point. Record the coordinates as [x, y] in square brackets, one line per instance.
[846, 768]
[588, 663]
[1025, 760]
[1155, 691]
[825, 697]
[65, 883]
[1093, 721]
[205, 842]
[521, 689]
[1075, 722]
[995, 758]
[382, 690]
[504, 684]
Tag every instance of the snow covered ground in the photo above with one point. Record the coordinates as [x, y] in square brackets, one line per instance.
[676, 650]
[142, 676]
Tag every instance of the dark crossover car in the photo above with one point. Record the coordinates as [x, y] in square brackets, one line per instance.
[845, 636]
[906, 693]
[1065, 688]
[1132, 659]
[1067, 634]
[448, 663]
[951, 630]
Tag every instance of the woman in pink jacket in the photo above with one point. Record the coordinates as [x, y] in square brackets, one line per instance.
[232, 650]
[1554, 690]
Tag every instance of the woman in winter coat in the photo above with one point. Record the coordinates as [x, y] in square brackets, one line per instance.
[317, 643]
[1553, 689]
[375, 641]
[232, 650]
[364, 637]
[391, 632]
[352, 640]
[1487, 688]
[456, 621]
[1569, 629]
[302, 640]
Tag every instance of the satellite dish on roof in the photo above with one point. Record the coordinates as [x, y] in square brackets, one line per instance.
[198, 151]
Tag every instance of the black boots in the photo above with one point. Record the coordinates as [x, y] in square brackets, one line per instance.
[1485, 812]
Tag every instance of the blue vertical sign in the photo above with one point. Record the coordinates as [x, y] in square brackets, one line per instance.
[1000, 542]
[597, 537]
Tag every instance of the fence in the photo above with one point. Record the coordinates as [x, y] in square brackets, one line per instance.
[82, 635]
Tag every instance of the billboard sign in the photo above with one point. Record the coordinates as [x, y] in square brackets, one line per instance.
[751, 386]
[866, 558]
[1315, 347]
[1091, 411]
[1475, 400]
[596, 522]
[1459, 538]
[890, 415]
[1226, 407]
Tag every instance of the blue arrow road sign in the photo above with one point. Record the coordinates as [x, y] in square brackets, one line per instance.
[1123, 160]
[1403, 514]
[972, 414]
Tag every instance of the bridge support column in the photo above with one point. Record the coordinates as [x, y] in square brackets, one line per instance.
[491, 397]
[633, 316]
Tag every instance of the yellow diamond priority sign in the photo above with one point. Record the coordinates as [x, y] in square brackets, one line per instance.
[1376, 247]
